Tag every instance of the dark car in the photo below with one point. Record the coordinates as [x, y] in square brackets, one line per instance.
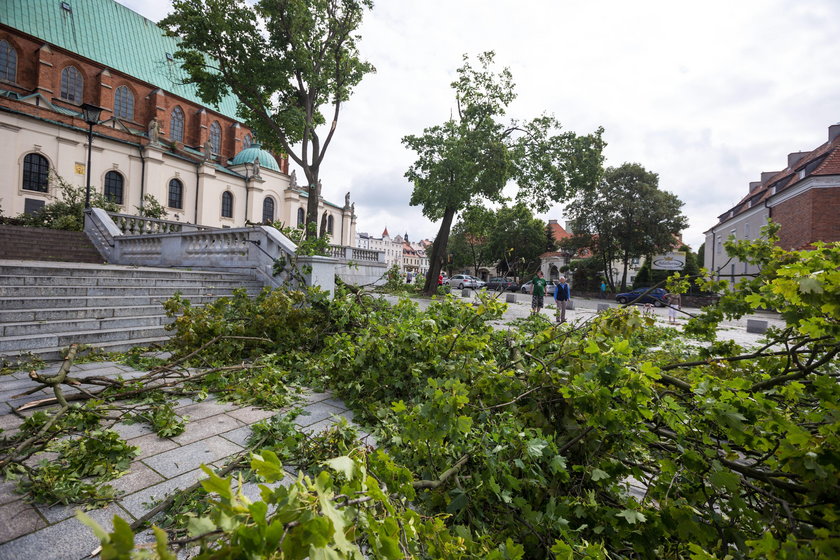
[655, 296]
[501, 285]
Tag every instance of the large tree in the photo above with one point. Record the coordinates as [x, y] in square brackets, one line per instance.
[470, 241]
[472, 156]
[518, 240]
[626, 216]
[286, 61]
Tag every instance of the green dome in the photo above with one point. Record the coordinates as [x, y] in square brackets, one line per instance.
[255, 151]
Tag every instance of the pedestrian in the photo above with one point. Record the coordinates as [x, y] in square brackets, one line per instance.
[562, 295]
[440, 279]
[603, 290]
[538, 283]
[674, 303]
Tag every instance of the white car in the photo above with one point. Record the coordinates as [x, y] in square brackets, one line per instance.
[461, 281]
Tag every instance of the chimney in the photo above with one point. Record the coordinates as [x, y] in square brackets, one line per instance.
[552, 222]
[833, 132]
[754, 185]
[795, 158]
[766, 175]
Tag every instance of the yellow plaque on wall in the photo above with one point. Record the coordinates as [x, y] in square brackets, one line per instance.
[80, 169]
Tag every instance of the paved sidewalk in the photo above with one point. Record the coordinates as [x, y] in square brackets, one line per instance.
[215, 431]
[585, 309]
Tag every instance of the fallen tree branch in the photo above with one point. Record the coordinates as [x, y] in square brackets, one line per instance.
[432, 484]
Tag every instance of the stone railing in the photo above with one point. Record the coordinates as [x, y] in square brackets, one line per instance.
[356, 254]
[139, 225]
[252, 250]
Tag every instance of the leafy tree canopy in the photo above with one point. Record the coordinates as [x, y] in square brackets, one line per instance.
[473, 156]
[626, 216]
[286, 61]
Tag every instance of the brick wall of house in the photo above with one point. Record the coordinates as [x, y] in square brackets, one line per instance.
[809, 217]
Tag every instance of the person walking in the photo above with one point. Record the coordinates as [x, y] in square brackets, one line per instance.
[603, 290]
[539, 293]
[562, 295]
[674, 303]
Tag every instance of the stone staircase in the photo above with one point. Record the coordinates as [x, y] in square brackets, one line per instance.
[46, 306]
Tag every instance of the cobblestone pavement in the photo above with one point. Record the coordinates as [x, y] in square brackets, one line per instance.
[215, 431]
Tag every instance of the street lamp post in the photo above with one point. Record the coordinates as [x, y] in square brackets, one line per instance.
[90, 114]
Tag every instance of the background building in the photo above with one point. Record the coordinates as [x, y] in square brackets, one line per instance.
[803, 198]
[155, 136]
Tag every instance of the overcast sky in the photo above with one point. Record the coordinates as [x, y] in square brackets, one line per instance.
[708, 95]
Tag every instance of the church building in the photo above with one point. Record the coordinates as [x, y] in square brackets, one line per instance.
[154, 136]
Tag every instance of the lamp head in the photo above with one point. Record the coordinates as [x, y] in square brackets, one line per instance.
[91, 113]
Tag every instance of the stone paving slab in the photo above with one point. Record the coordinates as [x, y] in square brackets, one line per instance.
[16, 519]
[215, 431]
[206, 427]
[68, 539]
[171, 463]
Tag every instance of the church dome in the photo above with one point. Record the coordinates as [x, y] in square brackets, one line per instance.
[255, 151]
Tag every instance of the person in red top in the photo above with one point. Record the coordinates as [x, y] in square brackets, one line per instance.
[440, 279]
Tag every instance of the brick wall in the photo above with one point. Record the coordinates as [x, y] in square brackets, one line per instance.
[811, 216]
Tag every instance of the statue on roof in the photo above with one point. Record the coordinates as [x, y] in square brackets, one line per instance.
[347, 199]
[257, 168]
[154, 131]
[353, 209]
[208, 150]
[293, 180]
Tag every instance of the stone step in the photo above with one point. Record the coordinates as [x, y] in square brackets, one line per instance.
[77, 313]
[57, 352]
[108, 291]
[38, 268]
[12, 345]
[34, 328]
[54, 302]
[152, 281]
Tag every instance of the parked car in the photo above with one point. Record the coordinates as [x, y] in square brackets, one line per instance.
[655, 296]
[528, 288]
[502, 284]
[461, 281]
[479, 283]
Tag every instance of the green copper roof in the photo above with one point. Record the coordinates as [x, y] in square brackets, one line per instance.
[255, 151]
[110, 34]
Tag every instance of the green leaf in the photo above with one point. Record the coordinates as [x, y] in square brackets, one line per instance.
[631, 516]
[217, 484]
[200, 526]
[536, 446]
[267, 465]
[344, 465]
[598, 474]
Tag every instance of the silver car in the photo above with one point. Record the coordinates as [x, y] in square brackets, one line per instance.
[462, 281]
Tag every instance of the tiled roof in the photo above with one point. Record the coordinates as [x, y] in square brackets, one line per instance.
[557, 231]
[110, 34]
[824, 160]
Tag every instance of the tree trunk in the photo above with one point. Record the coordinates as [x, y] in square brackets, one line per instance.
[314, 195]
[438, 252]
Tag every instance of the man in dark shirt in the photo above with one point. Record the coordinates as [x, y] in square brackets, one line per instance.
[562, 294]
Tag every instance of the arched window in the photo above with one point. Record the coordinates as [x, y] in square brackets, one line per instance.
[301, 217]
[330, 225]
[71, 85]
[176, 194]
[8, 61]
[227, 205]
[176, 125]
[124, 103]
[215, 137]
[36, 173]
[247, 141]
[268, 210]
[114, 187]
